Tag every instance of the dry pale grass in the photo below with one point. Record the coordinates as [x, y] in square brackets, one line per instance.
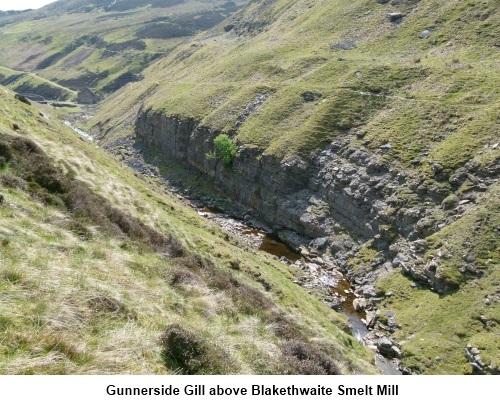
[85, 300]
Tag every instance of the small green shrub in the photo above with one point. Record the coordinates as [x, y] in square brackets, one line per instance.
[224, 149]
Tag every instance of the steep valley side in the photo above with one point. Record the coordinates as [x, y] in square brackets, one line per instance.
[371, 129]
[365, 216]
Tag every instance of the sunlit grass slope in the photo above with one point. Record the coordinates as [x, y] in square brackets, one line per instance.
[102, 271]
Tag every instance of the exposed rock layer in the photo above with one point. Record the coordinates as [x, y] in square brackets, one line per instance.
[343, 196]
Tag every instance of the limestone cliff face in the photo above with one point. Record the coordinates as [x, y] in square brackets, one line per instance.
[255, 180]
[342, 197]
[313, 198]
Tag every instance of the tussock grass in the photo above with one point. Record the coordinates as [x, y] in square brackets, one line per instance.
[95, 286]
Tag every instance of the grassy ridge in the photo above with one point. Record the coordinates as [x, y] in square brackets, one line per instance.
[29, 83]
[296, 51]
[81, 44]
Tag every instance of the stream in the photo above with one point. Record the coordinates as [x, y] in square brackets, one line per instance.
[337, 284]
[78, 131]
[334, 282]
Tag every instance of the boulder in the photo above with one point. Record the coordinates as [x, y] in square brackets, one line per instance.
[343, 45]
[386, 347]
[425, 34]
[395, 17]
[371, 318]
[359, 304]
[22, 99]
[450, 202]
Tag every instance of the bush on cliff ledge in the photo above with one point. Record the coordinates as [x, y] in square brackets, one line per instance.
[224, 149]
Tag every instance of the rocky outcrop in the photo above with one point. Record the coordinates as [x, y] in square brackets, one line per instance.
[343, 188]
[313, 198]
[474, 359]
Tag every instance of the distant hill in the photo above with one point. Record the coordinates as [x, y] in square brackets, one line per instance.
[102, 45]
[12, 12]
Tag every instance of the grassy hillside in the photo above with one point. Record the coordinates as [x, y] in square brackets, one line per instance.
[101, 45]
[393, 85]
[103, 271]
[414, 84]
[31, 84]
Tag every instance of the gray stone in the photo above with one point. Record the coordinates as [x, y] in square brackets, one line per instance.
[450, 202]
[400, 258]
[371, 318]
[359, 304]
[319, 243]
[343, 45]
[425, 34]
[395, 17]
[437, 168]
[22, 99]
[384, 343]
[386, 347]
[303, 251]
[396, 352]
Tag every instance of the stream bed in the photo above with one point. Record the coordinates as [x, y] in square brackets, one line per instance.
[337, 284]
[79, 131]
[318, 277]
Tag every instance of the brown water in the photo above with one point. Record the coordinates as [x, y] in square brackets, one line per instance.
[264, 241]
[343, 290]
[271, 244]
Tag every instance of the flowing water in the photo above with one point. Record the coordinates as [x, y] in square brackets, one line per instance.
[79, 131]
[271, 244]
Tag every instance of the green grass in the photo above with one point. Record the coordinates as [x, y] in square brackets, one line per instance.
[418, 86]
[28, 83]
[441, 326]
[434, 101]
[83, 300]
[74, 48]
